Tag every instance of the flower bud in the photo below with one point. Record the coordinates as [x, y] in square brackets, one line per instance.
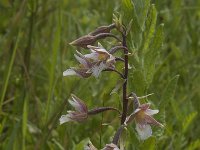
[84, 41]
[103, 29]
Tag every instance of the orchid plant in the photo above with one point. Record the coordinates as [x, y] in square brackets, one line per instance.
[94, 63]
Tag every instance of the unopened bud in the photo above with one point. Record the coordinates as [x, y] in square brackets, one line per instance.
[103, 29]
[118, 23]
[84, 41]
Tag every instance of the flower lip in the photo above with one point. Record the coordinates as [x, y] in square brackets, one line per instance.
[144, 131]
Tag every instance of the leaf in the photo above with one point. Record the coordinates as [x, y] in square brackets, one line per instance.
[129, 13]
[194, 145]
[118, 86]
[82, 144]
[137, 82]
[149, 144]
[8, 73]
[188, 120]
[169, 91]
[151, 55]
[142, 7]
[150, 25]
[24, 121]
[58, 144]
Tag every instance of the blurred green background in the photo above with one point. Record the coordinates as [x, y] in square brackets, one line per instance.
[34, 51]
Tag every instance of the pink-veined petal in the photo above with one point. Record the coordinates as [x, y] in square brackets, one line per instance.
[75, 104]
[81, 61]
[82, 72]
[82, 107]
[96, 69]
[144, 132]
[151, 112]
[151, 120]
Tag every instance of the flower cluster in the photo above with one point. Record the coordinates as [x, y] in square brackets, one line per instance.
[93, 63]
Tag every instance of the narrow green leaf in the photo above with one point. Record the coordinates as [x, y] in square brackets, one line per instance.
[169, 91]
[142, 7]
[58, 144]
[150, 26]
[137, 82]
[194, 145]
[118, 86]
[24, 122]
[149, 144]
[129, 13]
[188, 120]
[7, 75]
[13, 136]
[56, 44]
[151, 56]
[82, 144]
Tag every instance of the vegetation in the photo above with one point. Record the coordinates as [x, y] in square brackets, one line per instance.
[165, 59]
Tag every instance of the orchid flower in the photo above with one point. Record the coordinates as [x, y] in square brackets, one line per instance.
[93, 63]
[143, 119]
[80, 113]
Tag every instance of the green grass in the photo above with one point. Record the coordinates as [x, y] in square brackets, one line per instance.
[34, 37]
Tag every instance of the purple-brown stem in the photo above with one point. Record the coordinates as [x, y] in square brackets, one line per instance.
[102, 109]
[104, 35]
[125, 100]
[116, 48]
[117, 134]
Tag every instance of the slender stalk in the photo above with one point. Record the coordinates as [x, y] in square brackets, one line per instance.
[102, 109]
[104, 35]
[116, 48]
[119, 59]
[117, 134]
[125, 100]
[122, 76]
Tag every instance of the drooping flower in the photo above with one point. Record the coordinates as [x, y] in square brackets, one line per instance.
[110, 147]
[92, 64]
[143, 119]
[80, 113]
